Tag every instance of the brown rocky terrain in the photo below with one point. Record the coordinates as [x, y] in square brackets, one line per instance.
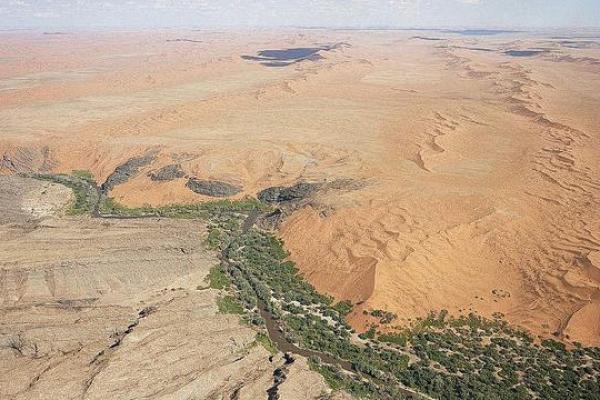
[98, 309]
[478, 165]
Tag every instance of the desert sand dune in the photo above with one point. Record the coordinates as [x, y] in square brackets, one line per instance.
[481, 169]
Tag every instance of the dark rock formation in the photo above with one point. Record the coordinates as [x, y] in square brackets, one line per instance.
[126, 171]
[167, 173]
[279, 376]
[212, 188]
[272, 220]
[281, 194]
[289, 199]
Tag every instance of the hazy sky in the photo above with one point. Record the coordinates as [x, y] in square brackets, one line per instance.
[356, 13]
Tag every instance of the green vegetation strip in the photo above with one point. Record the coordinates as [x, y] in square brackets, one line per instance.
[468, 357]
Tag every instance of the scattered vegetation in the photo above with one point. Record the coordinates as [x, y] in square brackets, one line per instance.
[370, 334]
[385, 317]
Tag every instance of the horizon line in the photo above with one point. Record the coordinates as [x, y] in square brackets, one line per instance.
[447, 29]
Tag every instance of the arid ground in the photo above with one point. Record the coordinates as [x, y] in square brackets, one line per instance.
[471, 164]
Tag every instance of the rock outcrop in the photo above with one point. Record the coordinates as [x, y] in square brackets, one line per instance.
[212, 188]
[126, 171]
[281, 194]
[167, 173]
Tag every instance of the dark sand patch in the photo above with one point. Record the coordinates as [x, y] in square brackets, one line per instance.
[286, 57]
[524, 53]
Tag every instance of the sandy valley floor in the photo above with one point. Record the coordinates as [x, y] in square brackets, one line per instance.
[478, 170]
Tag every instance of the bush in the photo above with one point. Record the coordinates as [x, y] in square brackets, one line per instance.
[229, 305]
[217, 278]
[394, 338]
[370, 334]
[343, 307]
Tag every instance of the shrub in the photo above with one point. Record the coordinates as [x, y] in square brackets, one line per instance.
[229, 305]
[370, 334]
[217, 278]
[343, 307]
[394, 338]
